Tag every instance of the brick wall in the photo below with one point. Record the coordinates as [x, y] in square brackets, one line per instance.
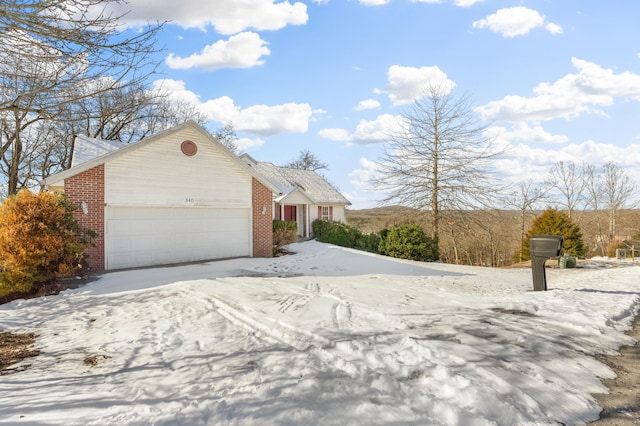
[262, 222]
[88, 186]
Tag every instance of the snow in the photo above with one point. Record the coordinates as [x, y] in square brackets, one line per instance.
[328, 336]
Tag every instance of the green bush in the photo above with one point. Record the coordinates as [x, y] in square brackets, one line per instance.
[344, 235]
[284, 232]
[39, 241]
[336, 233]
[405, 242]
[408, 242]
[368, 242]
[554, 222]
[382, 241]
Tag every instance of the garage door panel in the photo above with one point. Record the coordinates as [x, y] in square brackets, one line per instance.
[145, 236]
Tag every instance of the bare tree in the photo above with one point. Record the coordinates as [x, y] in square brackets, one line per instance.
[617, 189]
[307, 161]
[441, 158]
[55, 54]
[568, 180]
[527, 195]
[593, 188]
[227, 136]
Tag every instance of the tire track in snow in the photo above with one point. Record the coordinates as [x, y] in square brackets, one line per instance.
[354, 349]
[273, 330]
[294, 302]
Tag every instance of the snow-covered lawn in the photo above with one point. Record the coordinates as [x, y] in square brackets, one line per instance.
[326, 336]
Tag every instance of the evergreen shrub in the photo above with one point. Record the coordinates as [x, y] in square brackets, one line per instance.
[554, 222]
[336, 233]
[409, 242]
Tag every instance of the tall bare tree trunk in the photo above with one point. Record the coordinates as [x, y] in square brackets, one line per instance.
[16, 156]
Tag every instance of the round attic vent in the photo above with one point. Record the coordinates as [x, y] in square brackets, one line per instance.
[189, 148]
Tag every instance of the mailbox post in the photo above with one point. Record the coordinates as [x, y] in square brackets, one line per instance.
[542, 248]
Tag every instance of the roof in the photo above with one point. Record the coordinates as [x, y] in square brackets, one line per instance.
[289, 180]
[94, 152]
[86, 148]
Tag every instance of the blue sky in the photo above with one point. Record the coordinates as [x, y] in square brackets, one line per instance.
[556, 80]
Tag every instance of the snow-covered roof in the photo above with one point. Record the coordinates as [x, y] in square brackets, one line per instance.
[289, 180]
[86, 148]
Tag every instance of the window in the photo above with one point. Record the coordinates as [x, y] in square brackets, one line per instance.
[325, 213]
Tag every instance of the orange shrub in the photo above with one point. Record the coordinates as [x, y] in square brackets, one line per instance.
[39, 240]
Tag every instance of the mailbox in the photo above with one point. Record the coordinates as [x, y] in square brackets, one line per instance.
[542, 248]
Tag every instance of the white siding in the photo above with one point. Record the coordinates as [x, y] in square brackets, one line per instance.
[338, 213]
[295, 198]
[159, 174]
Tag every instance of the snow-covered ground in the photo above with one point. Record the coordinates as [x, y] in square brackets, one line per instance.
[327, 336]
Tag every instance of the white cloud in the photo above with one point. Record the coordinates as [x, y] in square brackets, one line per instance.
[525, 162]
[367, 104]
[367, 131]
[570, 96]
[554, 28]
[338, 135]
[516, 21]
[374, 2]
[365, 195]
[523, 132]
[458, 3]
[406, 84]
[227, 16]
[261, 120]
[361, 177]
[244, 144]
[467, 3]
[378, 130]
[243, 50]
[177, 90]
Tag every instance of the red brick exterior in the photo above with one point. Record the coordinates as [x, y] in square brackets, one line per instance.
[262, 222]
[88, 186]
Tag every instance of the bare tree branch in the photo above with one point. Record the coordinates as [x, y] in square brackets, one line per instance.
[618, 189]
[441, 159]
[568, 179]
[307, 161]
[57, 57]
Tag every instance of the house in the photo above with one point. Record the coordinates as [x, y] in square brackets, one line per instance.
[304, 195]
[177, 196]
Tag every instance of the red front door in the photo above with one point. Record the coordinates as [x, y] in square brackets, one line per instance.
[290, 213]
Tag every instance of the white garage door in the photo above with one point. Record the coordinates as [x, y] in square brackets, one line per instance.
[145, 236]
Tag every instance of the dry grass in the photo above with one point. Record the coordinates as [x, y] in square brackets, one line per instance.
[15, 348]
